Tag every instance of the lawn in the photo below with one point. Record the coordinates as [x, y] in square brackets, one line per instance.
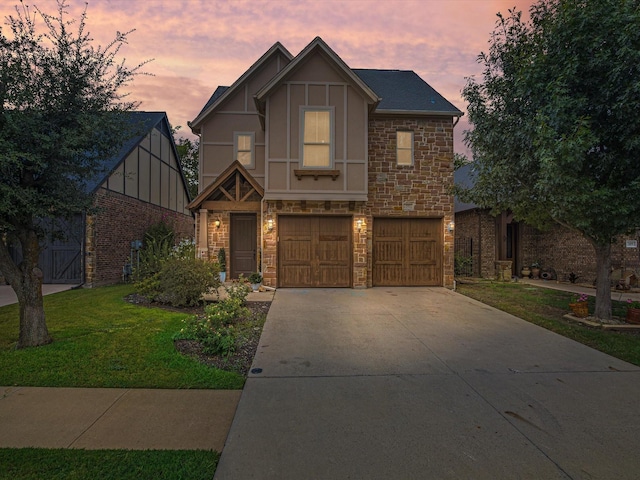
[546, 307]
[100, 340]
[68, 464]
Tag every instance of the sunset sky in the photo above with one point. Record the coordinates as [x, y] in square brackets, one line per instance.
[200, 44]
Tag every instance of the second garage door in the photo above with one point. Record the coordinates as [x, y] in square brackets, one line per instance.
[407, 252]
[314, 251]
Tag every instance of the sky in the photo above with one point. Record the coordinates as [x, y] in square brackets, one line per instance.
[197, 45]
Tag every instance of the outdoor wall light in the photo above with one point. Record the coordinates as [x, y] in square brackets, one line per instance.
[217, 223]
[360, 224]
[270, 225]
[451, 227]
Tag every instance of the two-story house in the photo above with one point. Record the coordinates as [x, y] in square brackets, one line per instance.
[320, 175]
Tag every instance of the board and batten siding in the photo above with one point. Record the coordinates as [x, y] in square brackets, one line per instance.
[316, 84]
[237, 113]
[150, 173]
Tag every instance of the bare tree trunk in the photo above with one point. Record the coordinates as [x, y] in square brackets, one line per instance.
[26, 281]
[603, 281]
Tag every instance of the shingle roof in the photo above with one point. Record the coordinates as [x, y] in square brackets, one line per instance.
[217, 94]
[404, 90]
[463, 177]
[143, 122]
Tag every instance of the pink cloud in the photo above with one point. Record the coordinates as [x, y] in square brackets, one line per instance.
[200, 44]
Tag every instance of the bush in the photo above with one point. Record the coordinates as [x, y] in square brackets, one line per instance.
[183, 281]
[238, 290]
[215, 330]
[463, 265]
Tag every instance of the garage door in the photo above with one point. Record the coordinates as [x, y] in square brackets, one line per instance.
[407, 252]
[314, 251]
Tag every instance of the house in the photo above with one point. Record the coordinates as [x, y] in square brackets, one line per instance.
[320, 175]
[142, 185]
[483, 239]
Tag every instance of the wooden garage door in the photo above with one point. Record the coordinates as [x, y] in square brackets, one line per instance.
[314, 251]
[407, 252]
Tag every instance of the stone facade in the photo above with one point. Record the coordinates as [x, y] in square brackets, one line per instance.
[361, 248]
[119, 220]
[420, 190]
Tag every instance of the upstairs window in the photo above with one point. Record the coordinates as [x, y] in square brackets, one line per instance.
[317, 138]
[243, 148]
[404, 147]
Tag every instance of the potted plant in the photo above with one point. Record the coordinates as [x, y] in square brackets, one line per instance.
[633, 311]
[535, 269]
[222, 261]
[525, 272]
[579, 306]
[255, 279]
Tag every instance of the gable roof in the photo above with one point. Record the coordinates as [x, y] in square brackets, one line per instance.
[233, 169]
[142, 123]
[403, 91]
[223, 92]
[315, 45]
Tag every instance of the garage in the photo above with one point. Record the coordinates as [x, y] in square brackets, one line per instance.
[314, 251]
[407, 252]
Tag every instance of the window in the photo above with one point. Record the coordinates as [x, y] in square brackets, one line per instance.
[243, 148]
[404, 148]
[317, 138]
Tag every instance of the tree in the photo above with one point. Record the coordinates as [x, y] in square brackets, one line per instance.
[188, 152]
[62, 113]
[556, 135]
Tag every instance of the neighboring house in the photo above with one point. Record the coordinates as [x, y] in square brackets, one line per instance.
[487, 239]
[321, 175]
[142, 185]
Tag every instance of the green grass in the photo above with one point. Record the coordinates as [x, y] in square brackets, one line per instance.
[69, 464]
[546, 307]
[100, 340]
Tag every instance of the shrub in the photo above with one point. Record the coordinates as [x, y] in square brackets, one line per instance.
[238, 290]
[183, 281]
[463, 265]
[215, 330]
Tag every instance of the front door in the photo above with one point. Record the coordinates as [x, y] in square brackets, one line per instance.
[243, 245]
[508, 245]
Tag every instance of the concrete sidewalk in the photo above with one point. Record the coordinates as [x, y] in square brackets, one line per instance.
[619, 295]
[412, 383]
[112, 418]
[8, 296]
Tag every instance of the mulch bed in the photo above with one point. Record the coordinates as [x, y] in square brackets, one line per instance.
[239, 362]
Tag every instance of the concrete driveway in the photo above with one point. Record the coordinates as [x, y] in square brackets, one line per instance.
[420, 383]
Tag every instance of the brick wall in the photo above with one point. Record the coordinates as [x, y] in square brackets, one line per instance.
[559, 248]
[420, 190]
[119, 221]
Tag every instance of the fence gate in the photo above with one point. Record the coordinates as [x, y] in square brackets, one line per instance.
[463, 256]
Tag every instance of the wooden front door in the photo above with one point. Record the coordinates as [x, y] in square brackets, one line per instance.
[407, 252]
[244, 243]
[314, 251]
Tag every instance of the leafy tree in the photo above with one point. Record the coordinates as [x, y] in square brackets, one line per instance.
[188, 152]
[61, 114]
[556, 135]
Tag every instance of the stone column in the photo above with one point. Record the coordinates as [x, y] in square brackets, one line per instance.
[202, 245]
